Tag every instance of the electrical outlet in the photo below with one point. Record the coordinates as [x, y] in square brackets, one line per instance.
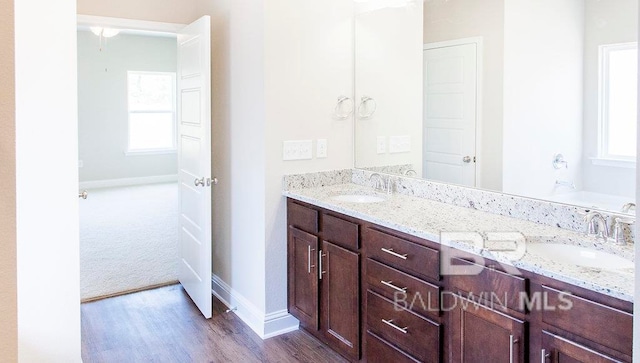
[297, 150]
[321, 148]
[399, 144]
[381, 144]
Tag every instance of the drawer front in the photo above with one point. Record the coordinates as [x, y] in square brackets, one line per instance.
[564, 350]
[493, 287]
[404, 255]
[378, 350]
[596, 322]
[340, 232]
[408, 331]
[301, 217]
[412, 293]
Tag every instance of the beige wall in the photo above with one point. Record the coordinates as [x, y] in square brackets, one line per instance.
[168, 11]
[456, 19]
[8, 287]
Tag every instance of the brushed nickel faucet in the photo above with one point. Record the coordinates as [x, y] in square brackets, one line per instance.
[596, 224]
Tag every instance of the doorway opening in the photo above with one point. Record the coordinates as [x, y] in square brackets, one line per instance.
[127, 162]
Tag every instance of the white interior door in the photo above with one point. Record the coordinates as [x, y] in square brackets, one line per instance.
[194, 161]
[450, 76]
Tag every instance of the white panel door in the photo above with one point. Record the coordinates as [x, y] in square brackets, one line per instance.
[194, 161]
[449, 142]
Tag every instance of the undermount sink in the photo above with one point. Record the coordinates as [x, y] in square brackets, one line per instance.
[358, 198]
[581, 256]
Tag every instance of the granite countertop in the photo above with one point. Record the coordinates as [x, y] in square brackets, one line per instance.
[459, 227]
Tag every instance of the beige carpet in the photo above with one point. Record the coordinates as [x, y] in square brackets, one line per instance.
[128, 239]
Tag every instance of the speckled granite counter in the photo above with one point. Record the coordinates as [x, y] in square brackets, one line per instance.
[428, 219]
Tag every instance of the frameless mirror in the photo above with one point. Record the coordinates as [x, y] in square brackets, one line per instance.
[533, 98]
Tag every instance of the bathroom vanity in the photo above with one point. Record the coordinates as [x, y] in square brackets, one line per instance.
[378, 281]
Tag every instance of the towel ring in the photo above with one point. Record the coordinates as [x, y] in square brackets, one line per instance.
[363, 103]
[338, 112]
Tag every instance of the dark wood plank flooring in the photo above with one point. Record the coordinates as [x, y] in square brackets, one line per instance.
[163, 325]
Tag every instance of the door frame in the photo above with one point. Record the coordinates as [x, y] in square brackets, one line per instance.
[478, 41]
[135, 26]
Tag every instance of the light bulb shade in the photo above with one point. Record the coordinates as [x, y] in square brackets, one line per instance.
[104, 32]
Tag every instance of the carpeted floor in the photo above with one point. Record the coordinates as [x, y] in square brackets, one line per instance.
[128, 239]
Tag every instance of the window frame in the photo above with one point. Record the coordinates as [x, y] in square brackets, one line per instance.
[166, 150]
[604, 157]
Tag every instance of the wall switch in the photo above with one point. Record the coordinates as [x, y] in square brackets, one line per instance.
[381, 144]
[321, 148]
[399, 144]
[80, 163]
[297, 150]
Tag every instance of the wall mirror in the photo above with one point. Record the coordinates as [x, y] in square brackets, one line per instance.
[532, 98]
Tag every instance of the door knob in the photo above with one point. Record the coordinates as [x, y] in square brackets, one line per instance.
[199, 182]
[466, 159]
[83, 194]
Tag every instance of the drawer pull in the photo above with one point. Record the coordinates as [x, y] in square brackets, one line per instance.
[309, 265]
[391, 285]
[544, 355]
[392, 253]
[391, 324]
[512, 342]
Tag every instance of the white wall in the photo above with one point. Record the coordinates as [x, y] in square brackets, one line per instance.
[47, 181]
[102, 104]
[606, 22]
[308, 64]
[8, 278]
[388, 68]
[543, 50]
[449, 20]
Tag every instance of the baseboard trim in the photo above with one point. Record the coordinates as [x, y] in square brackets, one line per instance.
[127, 292]
[109, 183]
[265, 325]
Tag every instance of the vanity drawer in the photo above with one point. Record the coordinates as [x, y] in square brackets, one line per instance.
[301, 217]
[419, 296]
[404, 255]
[495, 288]
[340, 232]
[379, 350]
[408, 331]
[596, 322]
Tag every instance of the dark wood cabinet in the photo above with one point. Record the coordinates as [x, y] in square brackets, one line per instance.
[303, 277]
[340, 311]
[480, 334]
[324, 277]
[379, 295]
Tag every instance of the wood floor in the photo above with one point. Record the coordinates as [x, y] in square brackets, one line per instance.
[162, 325]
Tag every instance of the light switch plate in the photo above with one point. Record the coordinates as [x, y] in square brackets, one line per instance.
[399, 144]
[381, 145]
[321, 148]
[80, 163]
[297, 150]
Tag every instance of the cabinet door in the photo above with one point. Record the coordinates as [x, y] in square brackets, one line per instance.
[303, 277]
[340, 275]
[481, 335]
[560, 350]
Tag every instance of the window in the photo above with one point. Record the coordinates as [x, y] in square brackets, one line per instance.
[618, 98]
[152, 111]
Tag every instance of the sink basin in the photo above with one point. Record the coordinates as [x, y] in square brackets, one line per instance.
[358, 198]
[581, 256]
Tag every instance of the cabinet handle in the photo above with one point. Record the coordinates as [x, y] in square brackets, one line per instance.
[395, 254]
[512, 342]
[309, 265]
[391, 285]
[394, 326]
[544, 355]
[320, 272]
